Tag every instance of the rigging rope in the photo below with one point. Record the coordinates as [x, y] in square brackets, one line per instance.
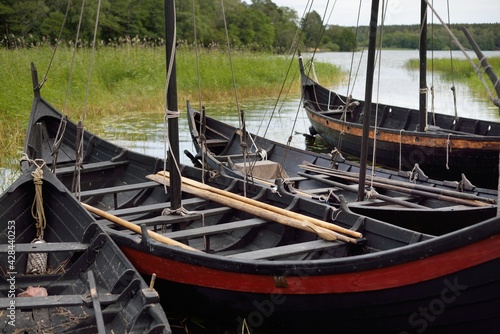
[80, 149]
[202, 139]
[353, 52]
[477, 68]
[379, 61]
[453, 89]
[432, 72]
[56, 46]
[62, 125]
[292, 51]
[240, 118]
[169, 114]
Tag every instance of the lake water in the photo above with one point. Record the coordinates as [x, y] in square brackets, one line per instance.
[143, 132]
[396, 85]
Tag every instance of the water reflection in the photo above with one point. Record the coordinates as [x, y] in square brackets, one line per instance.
[144, 132]
[396, 85]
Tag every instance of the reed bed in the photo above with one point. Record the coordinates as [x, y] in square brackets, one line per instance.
[131, 79]
[462, 71]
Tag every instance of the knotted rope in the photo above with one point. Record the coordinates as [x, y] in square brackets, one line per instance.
[37, 210]
[37, 262]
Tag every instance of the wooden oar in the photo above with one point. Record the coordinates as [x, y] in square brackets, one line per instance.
[420, 190]
[325, 230]
[374, 195]
[133, 227]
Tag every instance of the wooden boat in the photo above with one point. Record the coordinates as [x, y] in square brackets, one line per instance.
[249, 270]
[271, 268]
[444, 146]
[74, 281]
[423, 204]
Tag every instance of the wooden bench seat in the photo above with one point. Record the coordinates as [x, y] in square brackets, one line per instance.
[153, 207]
[216, 142]
[92, 166]
[215, 229]
[119, 189]
[57, 300]
[288, 250]
[175, 219]
[45, 247]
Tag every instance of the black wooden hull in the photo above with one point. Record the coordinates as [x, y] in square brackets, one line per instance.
[223, 152]
[286, 279]
[82, 260]
[449, 148]
[347, 298]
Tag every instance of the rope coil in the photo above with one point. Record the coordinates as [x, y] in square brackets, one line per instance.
[37, 262]
[37, 210]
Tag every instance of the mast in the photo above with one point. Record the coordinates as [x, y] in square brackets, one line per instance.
[423, 66]
[173, 122]
[368, 98]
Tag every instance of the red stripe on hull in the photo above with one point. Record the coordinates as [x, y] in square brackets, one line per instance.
[368, 280]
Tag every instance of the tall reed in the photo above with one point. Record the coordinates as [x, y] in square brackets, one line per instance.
[460, 70]
[130, 78]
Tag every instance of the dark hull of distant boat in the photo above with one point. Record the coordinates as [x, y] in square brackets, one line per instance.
[450, 147]
[222, 153]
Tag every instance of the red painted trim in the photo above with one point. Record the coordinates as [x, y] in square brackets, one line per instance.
[369, 280]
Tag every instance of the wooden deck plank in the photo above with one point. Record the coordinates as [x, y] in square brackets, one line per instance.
[215, 229]
[294, 249]
[93, 166]
[45, 247]
[119, 189]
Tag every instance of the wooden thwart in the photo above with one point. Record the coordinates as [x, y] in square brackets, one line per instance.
[131, 226]
[325, 230]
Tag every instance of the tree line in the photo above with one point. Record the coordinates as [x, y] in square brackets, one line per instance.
[255, 25]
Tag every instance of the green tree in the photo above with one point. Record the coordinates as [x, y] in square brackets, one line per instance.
[312, 27]
[338, 38]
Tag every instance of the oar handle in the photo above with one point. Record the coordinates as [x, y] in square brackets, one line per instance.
[133, 227]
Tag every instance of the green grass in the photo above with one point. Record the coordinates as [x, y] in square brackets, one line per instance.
[460, 71]
[130, 79]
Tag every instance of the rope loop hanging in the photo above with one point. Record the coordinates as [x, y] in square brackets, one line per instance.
[37, 210]
[448, 150]
[37, 262]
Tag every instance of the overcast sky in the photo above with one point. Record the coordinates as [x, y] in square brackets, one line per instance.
[400, 11]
